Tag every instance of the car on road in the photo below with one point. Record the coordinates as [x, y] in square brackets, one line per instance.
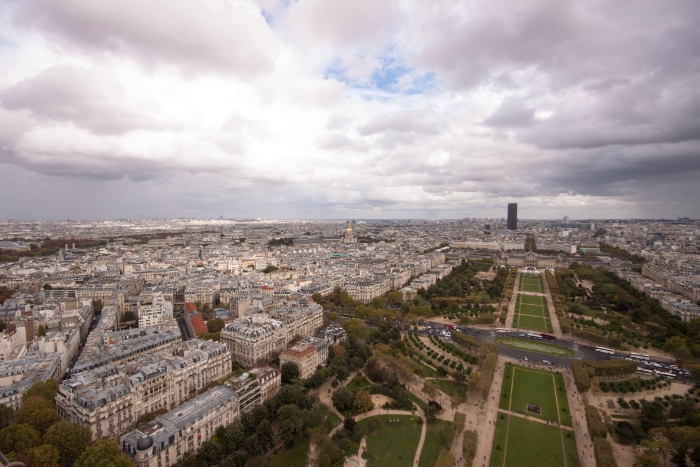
[526, 359]
[546, 362]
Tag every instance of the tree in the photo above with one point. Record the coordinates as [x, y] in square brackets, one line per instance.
[41, 332]
[379, 302]
[646, 460]
[270, 269]
[430, 388]
[455, 401]
[209, 454]
[37, 412]
[215, 325]
[673, 343]
[102, 453]
[19, 437]
[290, 424]
[445, 459]
[45, 455]
[349, 423]
[363, 401]
[333, 316]
[6, 416]
[356, 328]
[652, 414]
[473, 380]
[343, 400]
[290, 372]
[70, 440]
[46, 389]
[430, 413]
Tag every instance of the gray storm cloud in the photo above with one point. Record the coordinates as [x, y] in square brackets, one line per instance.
[333, 109]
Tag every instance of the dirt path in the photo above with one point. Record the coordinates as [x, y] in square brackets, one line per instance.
[511, 306]
[583, 444]
[487, 416]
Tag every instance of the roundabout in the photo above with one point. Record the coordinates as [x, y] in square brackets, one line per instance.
[539, 347]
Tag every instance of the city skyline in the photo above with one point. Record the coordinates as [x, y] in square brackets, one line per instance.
[349, 109]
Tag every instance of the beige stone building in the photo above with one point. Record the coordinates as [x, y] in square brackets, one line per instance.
[308, 354]
[163, 441]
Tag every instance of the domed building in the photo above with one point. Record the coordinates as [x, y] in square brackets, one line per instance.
[349, 236]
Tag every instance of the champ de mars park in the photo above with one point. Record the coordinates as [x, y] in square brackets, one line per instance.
[524, 377]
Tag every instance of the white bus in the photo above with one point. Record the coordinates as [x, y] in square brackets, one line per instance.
[605, 350]
[645, 371]
[502, 330]
[533, 336]
[665, 374]
[639, 356]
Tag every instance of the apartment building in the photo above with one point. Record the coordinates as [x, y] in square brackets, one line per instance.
[308, 354]
[163, 441]
[255, 386]
[253, 338]
[156, 312]
[108, 400]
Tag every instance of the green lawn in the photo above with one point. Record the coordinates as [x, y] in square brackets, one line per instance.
[418, 401]
[535, 346]
[531, 284]
[358, 382]
[564, 413]
[295, 457]
[499, 442]
[528, 386]
[428, 371]
[431, 446]
[392, 442]
[531, 310]
[531, 300]
[529, 444]
[334, 419]
[532, 322]
[450, 388]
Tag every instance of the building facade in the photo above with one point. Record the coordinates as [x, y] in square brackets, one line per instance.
[163, 441]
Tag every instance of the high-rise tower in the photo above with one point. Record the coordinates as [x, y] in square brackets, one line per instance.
[513, 216]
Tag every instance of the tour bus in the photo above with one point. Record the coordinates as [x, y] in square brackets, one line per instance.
[551, 337]
[665, 374]
[502, 330]
[639, 356]
[605, 350]
[645, 371]
[533, 336]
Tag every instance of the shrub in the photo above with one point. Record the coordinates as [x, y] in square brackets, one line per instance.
[604, 456]
[596, 427]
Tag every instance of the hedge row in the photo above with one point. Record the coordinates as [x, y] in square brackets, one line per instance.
[614, 367]
[604, 456]
[581, 376]
[596, 426]
[469, 343]
[469, 444]
[488, 367]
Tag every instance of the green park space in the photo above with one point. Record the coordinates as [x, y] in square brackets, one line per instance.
[535, 346]
[431, 445]
[295, 457]
[533, 323]
[531, 310]
[334, 419]
[531, 300]
[524, 387]
[392, 446]
[359, 382]
[525, 441]
[531, 283]
[450, 387]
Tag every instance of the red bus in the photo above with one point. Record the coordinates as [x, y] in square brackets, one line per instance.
[549, 336]
[450, 326]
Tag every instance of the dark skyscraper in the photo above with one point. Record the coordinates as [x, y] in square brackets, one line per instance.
[513, 216]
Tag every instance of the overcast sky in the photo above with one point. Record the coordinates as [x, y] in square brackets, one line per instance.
[349, 108]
